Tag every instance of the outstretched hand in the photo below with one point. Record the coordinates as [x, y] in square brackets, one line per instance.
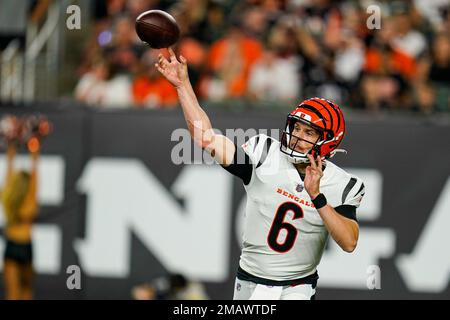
[312, 177]
[176, 72]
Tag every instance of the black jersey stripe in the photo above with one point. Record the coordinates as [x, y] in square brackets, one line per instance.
[347, 189]
[265, 152]
[256, 143]
[360, 189]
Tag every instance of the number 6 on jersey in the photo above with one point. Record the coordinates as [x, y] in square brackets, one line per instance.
[278, 224]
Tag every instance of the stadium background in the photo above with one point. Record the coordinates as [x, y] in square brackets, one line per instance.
[114, 203]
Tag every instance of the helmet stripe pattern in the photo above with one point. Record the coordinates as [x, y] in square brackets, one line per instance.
[322, 114]
[323, 107]
[312, 109]
[338, 113]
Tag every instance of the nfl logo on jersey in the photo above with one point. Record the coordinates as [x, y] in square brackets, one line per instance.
[299, 187]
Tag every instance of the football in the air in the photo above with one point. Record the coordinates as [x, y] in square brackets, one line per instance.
[157, 28]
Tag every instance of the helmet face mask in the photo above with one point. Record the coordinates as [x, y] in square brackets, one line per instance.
[289, 142]
[322, 115]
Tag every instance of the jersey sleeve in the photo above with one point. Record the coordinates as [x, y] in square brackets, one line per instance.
[257, 148]
[353, 192]
[347, 211]
[250, 156]
[241, 166]
[351, 197]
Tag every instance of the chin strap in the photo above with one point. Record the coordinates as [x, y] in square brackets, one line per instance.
[306, 160]
[333, 153]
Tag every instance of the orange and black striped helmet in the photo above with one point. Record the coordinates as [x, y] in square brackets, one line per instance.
[323, 115]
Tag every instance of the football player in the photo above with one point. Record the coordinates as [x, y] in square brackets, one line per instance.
[296, 197]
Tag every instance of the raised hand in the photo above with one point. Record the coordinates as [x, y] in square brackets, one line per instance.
[312, 177]
[176, 72]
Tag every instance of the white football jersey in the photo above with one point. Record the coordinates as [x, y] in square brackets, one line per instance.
[284, 236]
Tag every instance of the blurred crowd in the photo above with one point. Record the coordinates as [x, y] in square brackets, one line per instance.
[276, 52]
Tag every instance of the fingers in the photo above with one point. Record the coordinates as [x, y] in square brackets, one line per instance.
[315, 167]
[162, 63]
[312, 161]
[319, 163]
[161, 70]
[162, 60]
[183, 60]
[172, 55]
